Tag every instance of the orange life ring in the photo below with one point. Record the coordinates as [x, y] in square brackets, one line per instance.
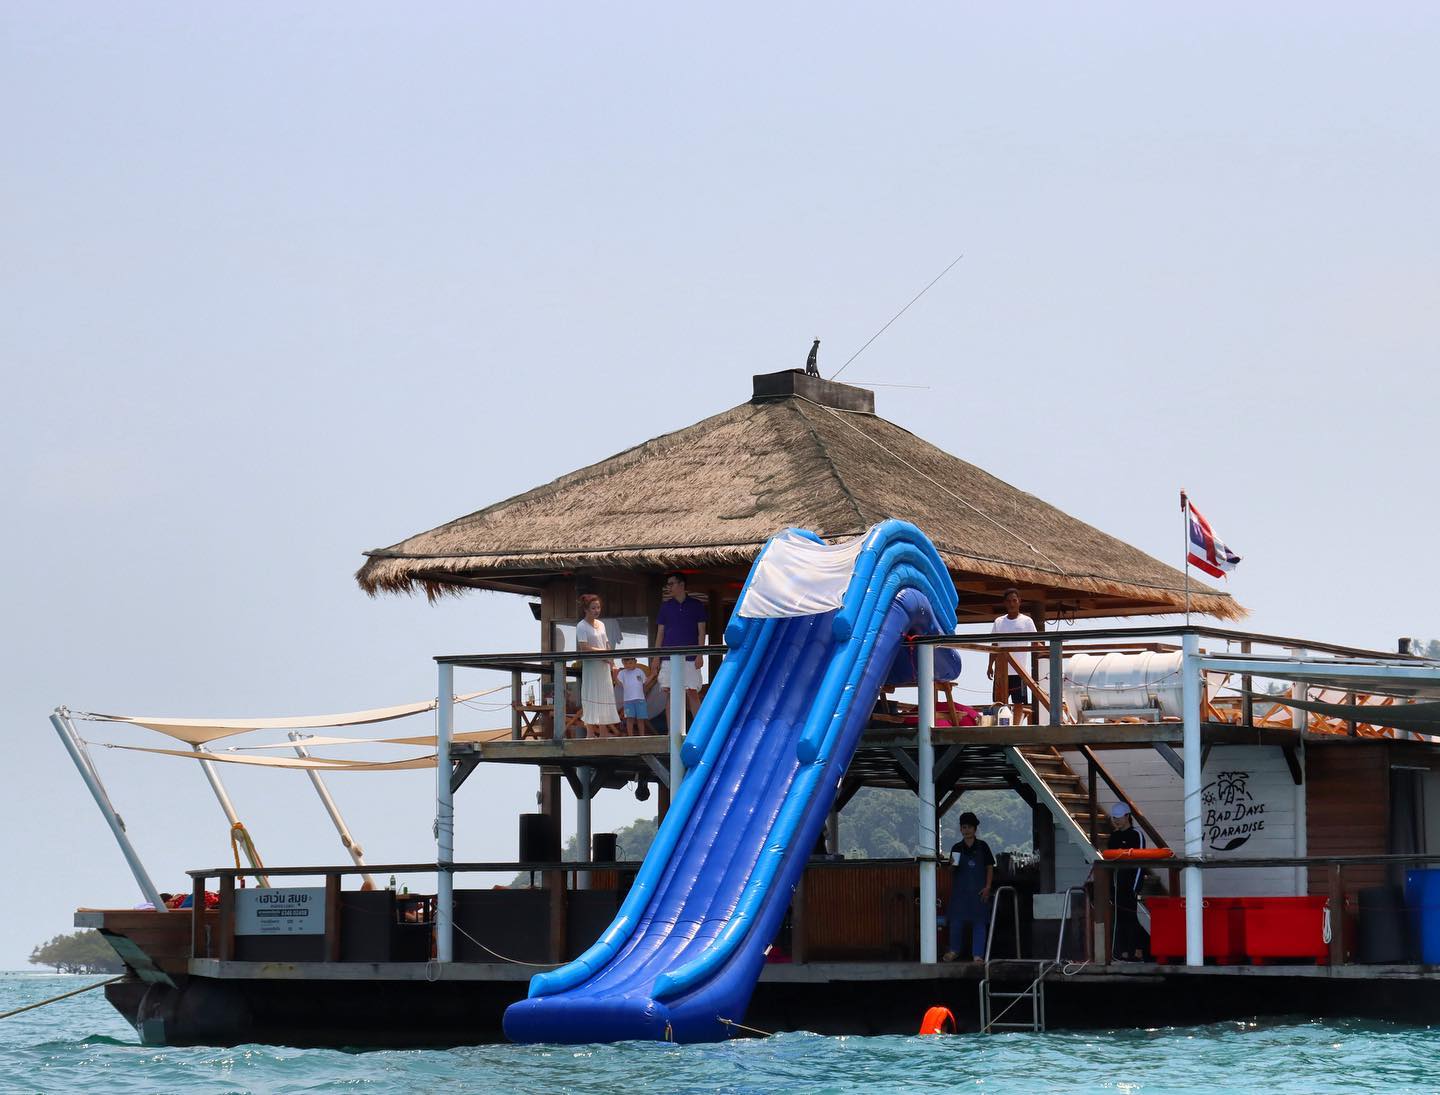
[1138, 853]
[938, 1020]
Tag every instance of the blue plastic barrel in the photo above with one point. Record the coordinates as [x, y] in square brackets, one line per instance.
[1422, 900]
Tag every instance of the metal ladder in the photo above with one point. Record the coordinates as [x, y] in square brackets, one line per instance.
[1034, 992]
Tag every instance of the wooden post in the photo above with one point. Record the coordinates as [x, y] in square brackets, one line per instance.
[332, 918]
[1337, 915]
[662, 802]
[1247, 686]
[1057, 685]
[226, 945]
[555, 883]
[1104, 910]
[516, 698]
[197, 918]
[557, 699]
[554, 880]
[797, 922]
[1093, 805]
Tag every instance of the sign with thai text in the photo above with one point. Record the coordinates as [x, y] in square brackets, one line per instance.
[267, 911]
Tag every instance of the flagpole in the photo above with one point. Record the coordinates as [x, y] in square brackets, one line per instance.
[1185, 546]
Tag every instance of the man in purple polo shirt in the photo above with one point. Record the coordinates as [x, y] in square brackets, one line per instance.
[681, 622]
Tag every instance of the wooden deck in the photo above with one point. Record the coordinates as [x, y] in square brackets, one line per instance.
[811, 973]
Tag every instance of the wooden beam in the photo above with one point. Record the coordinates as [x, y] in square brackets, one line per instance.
[460, 771]
[1172, 758]
[1292, 761]
[906, 767]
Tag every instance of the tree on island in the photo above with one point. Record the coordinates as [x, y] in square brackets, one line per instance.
[80, 952]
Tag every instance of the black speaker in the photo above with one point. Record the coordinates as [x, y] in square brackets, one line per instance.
[604, 847]
[539, 839]
[1383, 931]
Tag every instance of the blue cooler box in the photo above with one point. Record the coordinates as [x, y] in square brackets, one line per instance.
[1422, 902]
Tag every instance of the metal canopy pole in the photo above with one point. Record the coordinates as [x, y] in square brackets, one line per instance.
[444, 819]
[675, 717]
[585, 777]
[357, 853]
[1194, 829]
[926, 788]
[221, 795]
[71, 741]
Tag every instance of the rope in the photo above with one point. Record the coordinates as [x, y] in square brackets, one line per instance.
[935, 482]
[497, 954]
[742, 1026]
[62, 996]
[896, 316]
[239, 836]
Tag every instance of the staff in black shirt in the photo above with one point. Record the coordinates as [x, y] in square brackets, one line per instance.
[973, 874]
[1129, 939]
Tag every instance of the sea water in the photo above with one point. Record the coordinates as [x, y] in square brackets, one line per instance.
[81, 1044]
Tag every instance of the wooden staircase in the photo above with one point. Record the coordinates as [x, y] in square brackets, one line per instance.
[1065, 787]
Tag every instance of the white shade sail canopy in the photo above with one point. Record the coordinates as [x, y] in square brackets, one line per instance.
[200, 731]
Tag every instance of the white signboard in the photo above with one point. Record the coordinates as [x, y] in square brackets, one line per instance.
[280, 912]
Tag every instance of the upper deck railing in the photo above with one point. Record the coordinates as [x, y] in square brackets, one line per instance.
[1038, 659]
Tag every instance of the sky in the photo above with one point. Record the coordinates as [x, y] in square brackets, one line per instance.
[281, 283]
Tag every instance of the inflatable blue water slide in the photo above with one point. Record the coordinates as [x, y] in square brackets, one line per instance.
[818, 631]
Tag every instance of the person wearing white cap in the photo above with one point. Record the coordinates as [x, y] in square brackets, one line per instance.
[1129, 943]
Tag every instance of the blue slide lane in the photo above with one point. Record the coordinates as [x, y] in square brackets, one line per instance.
[765, 758]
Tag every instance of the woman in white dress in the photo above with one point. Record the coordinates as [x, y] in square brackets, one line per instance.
[597, 675]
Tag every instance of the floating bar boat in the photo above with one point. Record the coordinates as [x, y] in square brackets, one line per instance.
[1290, 778]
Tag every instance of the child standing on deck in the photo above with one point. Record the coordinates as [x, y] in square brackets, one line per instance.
[633, 683]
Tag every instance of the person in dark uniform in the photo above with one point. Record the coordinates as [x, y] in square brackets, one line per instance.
[1129, 940]
[972, 875]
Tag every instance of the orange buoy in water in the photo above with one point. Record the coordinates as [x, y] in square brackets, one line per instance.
[938, 1020]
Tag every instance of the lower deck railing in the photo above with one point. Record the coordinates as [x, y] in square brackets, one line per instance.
[843, 911]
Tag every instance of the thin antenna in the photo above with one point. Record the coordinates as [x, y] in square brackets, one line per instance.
[882, 384]
[897, 315]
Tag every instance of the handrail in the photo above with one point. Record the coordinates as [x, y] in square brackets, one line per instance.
[1070, 892]
[1104, 773]
[1277, 861]
[1157, 864]
[994, 916]
[1041, 638]
[485, 867]
[545, 657]
[541, 660]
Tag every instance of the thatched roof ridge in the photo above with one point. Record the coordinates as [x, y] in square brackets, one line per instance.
[712, 493]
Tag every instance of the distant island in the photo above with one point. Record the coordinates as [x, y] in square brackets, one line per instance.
[79, 952]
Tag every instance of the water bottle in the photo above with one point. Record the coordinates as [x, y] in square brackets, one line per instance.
[1003, 715]
[391, 887]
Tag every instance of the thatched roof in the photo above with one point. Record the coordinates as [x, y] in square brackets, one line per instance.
[799, 453]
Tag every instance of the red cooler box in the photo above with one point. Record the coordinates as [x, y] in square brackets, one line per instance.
[1286, 928]
[1224, 926]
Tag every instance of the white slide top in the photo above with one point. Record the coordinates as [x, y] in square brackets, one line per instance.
[798, 577]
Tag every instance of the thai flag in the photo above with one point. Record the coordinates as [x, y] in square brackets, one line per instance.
[1206, 550]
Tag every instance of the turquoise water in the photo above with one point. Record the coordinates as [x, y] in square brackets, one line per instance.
[82, 1044]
